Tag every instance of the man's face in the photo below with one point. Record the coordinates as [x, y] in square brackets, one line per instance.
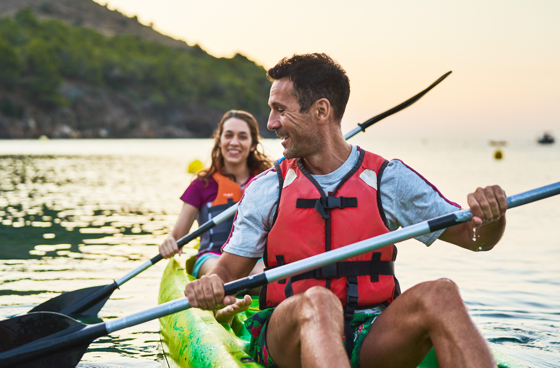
[297, 130]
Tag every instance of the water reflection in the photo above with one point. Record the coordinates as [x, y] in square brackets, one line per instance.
[69, 222]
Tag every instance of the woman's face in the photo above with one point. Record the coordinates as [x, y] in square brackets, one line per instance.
[235, 141]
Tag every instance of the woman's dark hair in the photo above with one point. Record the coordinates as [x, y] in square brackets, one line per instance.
[257, 161]
[315, 76]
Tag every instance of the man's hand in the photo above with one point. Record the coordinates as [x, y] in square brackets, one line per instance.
[208, 293]
[487, 205]
[169, 247]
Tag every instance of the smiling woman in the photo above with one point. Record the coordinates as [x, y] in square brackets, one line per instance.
[236, 159]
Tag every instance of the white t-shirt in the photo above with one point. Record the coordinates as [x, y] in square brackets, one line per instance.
[406, 197]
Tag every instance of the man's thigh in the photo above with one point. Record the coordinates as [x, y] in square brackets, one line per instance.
[307, 329]
[398, 337]
[282, 334]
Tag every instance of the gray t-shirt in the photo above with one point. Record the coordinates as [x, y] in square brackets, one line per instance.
[406, 197]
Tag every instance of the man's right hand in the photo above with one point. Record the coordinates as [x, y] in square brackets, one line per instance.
[208, 293]
[169, 247]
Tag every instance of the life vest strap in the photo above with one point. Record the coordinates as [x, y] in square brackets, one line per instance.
[352, 297]
[327, 202]
[280, 262]
[350, 268]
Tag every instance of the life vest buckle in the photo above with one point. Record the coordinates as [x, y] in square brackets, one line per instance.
[331, 202]
[352, 294]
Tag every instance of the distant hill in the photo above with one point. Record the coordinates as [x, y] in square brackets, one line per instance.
[90, 14]
[73, 68]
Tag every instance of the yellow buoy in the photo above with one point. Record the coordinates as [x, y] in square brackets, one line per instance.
[498, 155]
[195, 167]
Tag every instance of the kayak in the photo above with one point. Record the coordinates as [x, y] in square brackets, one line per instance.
[194, 338]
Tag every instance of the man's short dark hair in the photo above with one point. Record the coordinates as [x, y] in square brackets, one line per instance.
[315, 76]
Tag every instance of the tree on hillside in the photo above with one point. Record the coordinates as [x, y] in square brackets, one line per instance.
[10, 65]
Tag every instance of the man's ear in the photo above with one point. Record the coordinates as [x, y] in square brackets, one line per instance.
[322, 110]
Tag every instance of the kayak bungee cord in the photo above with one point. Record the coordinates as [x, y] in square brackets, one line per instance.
[89, 301]
[41, 338]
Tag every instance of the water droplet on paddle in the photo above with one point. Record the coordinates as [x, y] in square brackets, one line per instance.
[474, 234]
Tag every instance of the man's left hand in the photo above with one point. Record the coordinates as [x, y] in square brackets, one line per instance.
[487, 204]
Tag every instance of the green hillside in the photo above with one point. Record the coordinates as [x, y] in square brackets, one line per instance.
[70, 81]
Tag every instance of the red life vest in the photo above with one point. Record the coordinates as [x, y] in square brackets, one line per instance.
[229, 193]
[308, 222]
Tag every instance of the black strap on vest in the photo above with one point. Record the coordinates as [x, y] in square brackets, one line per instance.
[352, 297]
[327, 203]
[372, 268]
[280, 262]
[379, 204]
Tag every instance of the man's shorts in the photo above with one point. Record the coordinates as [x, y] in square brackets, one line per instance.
[257, 324]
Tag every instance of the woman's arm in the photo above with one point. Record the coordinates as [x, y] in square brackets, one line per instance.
[184, 222]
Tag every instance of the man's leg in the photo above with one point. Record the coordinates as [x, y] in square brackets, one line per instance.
[430, 313]
[306, 331]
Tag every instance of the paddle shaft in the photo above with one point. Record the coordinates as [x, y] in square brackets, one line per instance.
[91, 332]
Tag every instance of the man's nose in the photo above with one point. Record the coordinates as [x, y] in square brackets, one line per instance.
[273, 122]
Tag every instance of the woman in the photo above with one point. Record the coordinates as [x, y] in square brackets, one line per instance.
[235, 161]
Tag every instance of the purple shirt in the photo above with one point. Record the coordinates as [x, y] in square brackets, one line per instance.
[198, 193]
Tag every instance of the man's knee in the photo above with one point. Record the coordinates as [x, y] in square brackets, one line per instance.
[318, 301]
[437, 294]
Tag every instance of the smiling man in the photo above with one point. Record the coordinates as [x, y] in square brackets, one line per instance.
[328, 194]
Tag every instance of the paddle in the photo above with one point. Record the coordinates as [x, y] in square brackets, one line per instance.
[89, 301]
[43, 338]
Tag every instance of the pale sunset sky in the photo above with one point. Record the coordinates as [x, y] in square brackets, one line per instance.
[505, 55]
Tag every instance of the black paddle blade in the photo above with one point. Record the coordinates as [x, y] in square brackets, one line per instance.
[403, 105]
[18, 331]
[83, 302]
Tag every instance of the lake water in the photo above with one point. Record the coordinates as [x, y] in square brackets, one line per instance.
[82, 213]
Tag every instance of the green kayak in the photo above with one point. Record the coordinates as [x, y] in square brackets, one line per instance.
[195, 339]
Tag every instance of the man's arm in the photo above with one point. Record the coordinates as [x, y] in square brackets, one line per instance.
[208, 291]
[488, 206]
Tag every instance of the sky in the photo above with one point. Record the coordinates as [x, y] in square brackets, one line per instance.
[505, 55]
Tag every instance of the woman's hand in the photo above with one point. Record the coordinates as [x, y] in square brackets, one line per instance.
[169, 247]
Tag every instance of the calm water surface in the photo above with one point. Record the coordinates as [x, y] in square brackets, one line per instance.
[82, 213]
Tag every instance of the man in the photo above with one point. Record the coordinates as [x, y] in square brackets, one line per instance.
[328, 194]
